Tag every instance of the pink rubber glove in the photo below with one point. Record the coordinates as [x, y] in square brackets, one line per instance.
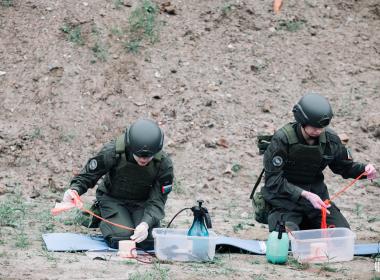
[141, 232]
[315, 200]
[69, 195]
[371, 172]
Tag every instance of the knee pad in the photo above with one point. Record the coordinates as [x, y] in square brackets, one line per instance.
[291, 226]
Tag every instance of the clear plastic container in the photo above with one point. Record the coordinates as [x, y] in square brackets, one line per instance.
[323, 245]
[176, 245]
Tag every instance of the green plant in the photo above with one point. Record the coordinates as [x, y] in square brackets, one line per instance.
[50, 256]
[66, 137]
[36, 133]
[22, 240]
[133, 46]
[142, 25]
[72, 260]
[73, 33]
[12, 212]
[177, 187]
[358, 209]
[226, 8]
[236, 167]
[117, 31]
[47, 221]
[7, 3]
[95, 30]
[3, 254]
[291, 25]
[99, 51]
[258, 277]
[238, 227]
[292, 262]
[118, 4]
[129, 262]
[73, 217]
[158, 273]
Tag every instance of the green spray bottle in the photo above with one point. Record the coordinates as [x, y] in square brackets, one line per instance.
[278, 245]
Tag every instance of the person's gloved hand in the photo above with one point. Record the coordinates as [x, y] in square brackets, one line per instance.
[68, 196]
[141, 232]
[315, 200]
[371, 172]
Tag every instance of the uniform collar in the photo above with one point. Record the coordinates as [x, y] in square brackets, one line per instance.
[321, 139]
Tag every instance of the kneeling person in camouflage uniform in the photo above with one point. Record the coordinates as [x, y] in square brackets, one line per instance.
[138, 176]
[294, 162]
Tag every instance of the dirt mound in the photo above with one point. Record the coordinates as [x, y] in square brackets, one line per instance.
[215, 74]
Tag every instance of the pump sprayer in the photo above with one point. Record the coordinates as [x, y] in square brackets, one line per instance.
[201, 221]
[278, 244]
[198, 233]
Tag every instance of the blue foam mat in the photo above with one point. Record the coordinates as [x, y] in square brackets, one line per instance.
[62, 242]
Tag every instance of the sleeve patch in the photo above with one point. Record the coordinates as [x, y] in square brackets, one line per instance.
[166, 189]
[277, 161]
[95, 164]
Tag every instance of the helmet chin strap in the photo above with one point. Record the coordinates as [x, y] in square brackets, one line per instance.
[308, 135]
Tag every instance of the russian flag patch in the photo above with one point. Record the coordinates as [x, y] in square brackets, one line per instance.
[166, 189]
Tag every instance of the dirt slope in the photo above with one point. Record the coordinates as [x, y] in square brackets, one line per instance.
[215, 74]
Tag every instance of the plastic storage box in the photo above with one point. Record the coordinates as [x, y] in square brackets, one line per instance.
[323, 245]
[175, 245]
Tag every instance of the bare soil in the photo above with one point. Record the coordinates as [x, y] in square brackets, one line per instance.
[215, 74]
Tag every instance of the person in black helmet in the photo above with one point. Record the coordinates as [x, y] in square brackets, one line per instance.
[137, 177]
[294, 162]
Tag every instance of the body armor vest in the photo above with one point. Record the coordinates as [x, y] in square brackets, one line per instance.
[128, 180]
[304, 161]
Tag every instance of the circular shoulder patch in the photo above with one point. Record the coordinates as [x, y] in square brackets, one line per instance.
[93, 164]
[277, 161]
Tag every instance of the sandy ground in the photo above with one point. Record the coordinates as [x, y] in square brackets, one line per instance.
[215, 74]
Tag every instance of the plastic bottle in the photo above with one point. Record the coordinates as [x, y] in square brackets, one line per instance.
[198, 228]
[200, 246]
[278, 245]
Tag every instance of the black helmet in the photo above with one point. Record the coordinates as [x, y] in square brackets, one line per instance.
[313, 110]
[144, 138]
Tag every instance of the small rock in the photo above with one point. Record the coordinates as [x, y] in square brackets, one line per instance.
[35, 193]
[52, 185]
[228, 170]
[344, 138]
[211, 178]
[85, 4]
[267, 106]
[212, 87]
[187, 118]
[2, 73]
[222, 143]
[211, 145]
[168, 8]
[3, 190]
[139, 103]
[127, 3]
[209, 103]
[244, 215]
[376, 133]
